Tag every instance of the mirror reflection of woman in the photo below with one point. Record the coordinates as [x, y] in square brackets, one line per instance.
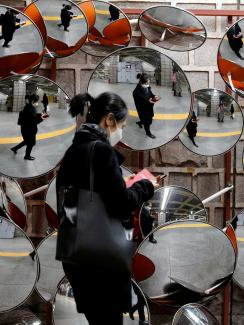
[10, 23]
[105, 120]
[28, 120]
[192, 128]
[66, 15]
[144, 101]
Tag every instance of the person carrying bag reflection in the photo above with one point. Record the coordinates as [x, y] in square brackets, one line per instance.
[92, 166]
[28, 120]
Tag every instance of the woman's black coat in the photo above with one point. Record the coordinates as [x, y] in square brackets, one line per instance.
[143, 106]
[8, 22]
[235, 43]
[192, 128]
[30, 118]
[66, 17]
[99, 289]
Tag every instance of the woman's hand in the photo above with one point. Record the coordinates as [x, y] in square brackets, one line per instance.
[157, 182]
[44, 116]
[151, 101]
[127, 178]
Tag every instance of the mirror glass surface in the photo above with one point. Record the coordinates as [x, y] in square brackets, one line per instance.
[65, 312]
[156, 113]
[170, 203]
[12, 201]
[45, 126]
[21, 43]
[51, 270]
[216, 124]
[66, 26]
[109, 28]
[231, 57]
[172, 28]
[18, 264]
[191, 261]
[194, 314]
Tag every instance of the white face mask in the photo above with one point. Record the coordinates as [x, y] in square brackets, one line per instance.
[145, 85]
[115, 136]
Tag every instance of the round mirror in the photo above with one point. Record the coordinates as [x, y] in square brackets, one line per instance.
[19, 265]
[35, 128]
[21, 48]
[12, 201]
[172, 28]
[231, 56]
[238, 224]
[109, 28]
[64, 310]
[155, 90]
[194, 314]
[170, 203]
[65, 24]
[191, 261]
[215, 125]
[51, 270]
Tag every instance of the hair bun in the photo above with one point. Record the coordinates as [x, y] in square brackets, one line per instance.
[138, 76]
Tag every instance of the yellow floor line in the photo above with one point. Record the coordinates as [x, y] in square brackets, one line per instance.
[217, 135]
[195, 225]
[14, 254]
[240, 239]
[158, 116]
[41, 136]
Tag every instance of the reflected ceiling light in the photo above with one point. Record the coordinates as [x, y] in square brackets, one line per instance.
[194, 318]
[26, 77]
[165, 198]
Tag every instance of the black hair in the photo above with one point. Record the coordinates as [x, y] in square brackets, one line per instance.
[33, 98]
[99, 107]
[68, 7]
[143, 77]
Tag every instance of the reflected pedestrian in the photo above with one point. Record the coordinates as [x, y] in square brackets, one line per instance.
[114, 13]
[66, 15]
[45, 102]
[144, 101]
[10, 23]
[234, 36]
[140, 305]
[232, 112]
[177, 84]
[192, 128]
[28, 120]
[146, 222]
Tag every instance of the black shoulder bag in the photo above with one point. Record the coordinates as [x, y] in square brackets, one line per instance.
[87, 234]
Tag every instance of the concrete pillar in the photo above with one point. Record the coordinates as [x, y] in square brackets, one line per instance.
[214, 103]
[19, 93]
[62, 100]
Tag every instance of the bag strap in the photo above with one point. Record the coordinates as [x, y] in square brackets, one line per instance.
[91, 169]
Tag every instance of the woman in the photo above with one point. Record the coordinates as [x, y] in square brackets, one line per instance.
[232, 112]
[66, 16]
[28, 120]
[10, 23]
[235, 36]
[45, 102]
[192, 128]
[144, 101]
[100, 294]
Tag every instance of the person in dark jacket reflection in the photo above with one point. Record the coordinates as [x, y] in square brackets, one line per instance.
[114, 13]
[234, 36]
[29, 120]
[192, 128]
[45, 102]
[105, 120]
[10, 23]
[144, 101]
[146, 222]
[66, 15]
